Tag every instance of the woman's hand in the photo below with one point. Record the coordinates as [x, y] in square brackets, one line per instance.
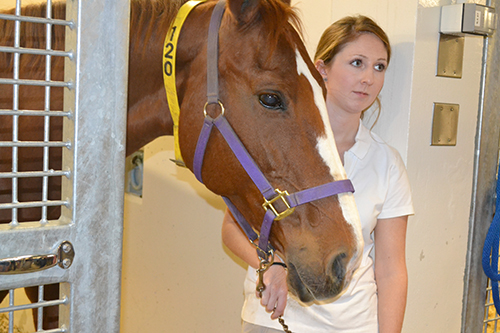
[275, 294]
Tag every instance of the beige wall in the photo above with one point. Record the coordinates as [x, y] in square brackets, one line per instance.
[176, 274]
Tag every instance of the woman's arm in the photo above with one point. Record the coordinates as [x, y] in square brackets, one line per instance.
[390, 272]
[275, 294]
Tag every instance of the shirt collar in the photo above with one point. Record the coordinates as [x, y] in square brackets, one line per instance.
[362, 144]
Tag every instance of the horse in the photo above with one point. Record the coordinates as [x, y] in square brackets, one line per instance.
[273, 99]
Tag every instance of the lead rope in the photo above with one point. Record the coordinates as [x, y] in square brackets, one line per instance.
[491, 249]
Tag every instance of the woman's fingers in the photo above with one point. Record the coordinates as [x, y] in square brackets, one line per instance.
[280, 308]
[274, 295]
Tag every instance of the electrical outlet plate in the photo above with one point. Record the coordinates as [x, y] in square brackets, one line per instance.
[445, 124]
[450, 56]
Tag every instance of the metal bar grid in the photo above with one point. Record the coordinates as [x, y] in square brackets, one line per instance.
[35, 204]
[35, 113]
[23, 50]
[69, 24]
[39, 83]
[34, 144]
[12, 310]
[39, 305]
[50, 173]
[16, 114]
[491, 318]
[15, 119]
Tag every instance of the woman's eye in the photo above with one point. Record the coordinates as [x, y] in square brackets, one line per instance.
[380, 67]
[356, 63]
[271, 101]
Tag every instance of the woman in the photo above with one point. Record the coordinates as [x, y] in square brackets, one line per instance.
[352, 57]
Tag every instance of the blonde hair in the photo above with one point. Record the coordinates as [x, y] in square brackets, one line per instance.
[344, 31]
[347, 30]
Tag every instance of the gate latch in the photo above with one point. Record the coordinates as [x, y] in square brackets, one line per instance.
[34, 263]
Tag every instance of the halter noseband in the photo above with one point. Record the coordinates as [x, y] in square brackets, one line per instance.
[269, 193]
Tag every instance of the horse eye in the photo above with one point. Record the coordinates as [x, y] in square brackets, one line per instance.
[271, 101]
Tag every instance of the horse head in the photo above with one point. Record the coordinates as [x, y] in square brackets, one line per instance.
[274, 100]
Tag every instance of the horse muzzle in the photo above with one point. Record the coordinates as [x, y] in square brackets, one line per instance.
[326, 286]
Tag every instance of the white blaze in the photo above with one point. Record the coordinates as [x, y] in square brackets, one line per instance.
[328, 151]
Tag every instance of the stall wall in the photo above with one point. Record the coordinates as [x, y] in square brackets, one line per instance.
[177, 275]
[442, 183]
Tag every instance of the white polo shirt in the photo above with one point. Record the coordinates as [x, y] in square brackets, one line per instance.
[382, 191]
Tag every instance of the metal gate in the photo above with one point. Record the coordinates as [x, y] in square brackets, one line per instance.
[84, 244]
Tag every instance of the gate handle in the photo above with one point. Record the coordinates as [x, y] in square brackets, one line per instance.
[29, 264]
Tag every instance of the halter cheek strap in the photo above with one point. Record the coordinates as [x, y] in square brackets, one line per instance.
[269, 193]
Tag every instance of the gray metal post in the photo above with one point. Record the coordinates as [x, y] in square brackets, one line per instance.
[99, 162]
[483, 196]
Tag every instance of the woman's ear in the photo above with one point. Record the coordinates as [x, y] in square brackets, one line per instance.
[321, 67]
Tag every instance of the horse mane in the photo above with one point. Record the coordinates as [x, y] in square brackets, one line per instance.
[146, 16]
[274, 15]
[156, 15]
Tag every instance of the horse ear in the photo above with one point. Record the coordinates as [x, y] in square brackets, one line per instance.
[243, 10]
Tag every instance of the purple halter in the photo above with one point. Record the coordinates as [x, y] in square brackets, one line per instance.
[270, 194]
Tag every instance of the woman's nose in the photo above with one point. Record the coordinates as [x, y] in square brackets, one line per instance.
[368, 77]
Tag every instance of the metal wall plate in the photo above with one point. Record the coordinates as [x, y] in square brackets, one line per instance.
[450, 56]
[445, 124]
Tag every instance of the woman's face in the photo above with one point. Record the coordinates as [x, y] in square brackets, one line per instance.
[355, 75]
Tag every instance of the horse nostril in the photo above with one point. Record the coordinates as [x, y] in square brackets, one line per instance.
[339, 267]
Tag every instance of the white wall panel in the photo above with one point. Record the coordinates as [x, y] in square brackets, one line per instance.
[442, 183]
[316, 16]
[177, 276]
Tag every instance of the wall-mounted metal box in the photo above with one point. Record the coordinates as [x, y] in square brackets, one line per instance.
[467, 18]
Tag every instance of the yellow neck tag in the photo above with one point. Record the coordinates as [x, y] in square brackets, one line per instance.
[169, 57]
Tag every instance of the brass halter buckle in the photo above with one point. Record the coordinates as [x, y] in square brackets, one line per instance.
[268, 204]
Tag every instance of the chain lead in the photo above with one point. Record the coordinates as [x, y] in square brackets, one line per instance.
[263, 267]
[285, 326]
